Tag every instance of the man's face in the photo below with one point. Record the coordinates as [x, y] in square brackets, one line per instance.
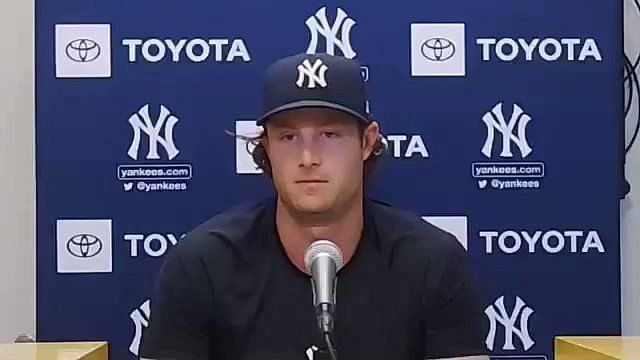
[317, 157]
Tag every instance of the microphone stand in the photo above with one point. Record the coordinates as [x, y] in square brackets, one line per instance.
[325, 323]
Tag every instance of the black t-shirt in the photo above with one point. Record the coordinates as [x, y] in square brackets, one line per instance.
[229, 291]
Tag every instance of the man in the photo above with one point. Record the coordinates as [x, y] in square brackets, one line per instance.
[237, 288]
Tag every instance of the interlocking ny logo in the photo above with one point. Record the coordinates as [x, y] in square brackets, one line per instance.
[142, 122]
[314, 73]
[311, 351]
[318, 24]
[140, 319]
[509, 322]
[506, 129]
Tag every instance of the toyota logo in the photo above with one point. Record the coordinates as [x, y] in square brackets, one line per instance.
[83, 50]
[438, 49]
[84, 246]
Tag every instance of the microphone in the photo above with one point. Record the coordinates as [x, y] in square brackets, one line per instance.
[323, 259]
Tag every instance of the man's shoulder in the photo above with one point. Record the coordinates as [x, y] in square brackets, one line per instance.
[234, 221]
[233, 227]
[400, 228]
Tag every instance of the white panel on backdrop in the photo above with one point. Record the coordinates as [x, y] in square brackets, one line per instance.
[84, 246]
[437, 50]
[83, 50]
[456, 225]
[244, 161]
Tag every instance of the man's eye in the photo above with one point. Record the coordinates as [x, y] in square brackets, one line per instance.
[287, 137]
[330, 134]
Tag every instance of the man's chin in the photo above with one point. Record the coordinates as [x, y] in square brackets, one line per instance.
[312, 206]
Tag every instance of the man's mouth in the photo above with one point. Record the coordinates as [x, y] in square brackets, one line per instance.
[310, 181]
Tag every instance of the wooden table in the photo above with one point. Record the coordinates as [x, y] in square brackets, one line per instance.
[597, 348]
[55, 351]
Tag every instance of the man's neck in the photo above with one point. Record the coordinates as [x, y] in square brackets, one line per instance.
[298, 230]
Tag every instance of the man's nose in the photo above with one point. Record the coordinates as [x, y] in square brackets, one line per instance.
[310, 154]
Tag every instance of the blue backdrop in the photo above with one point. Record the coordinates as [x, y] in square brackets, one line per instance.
[502, 119]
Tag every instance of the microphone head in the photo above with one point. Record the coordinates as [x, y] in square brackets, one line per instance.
[323, 248]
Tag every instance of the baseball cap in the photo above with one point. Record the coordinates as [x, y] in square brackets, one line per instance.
[314, 80]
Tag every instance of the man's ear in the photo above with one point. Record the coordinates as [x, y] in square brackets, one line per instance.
[370, 136]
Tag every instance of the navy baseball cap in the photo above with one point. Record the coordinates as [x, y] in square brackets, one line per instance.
[314, 80]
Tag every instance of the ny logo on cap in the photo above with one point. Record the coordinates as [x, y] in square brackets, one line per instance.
[314, 73]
